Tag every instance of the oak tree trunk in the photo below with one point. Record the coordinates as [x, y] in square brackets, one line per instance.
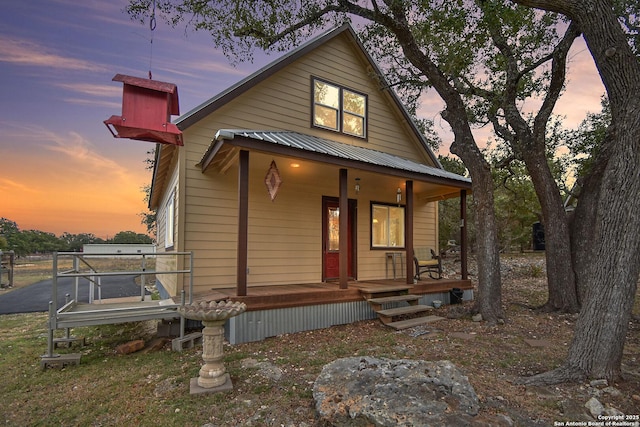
[609, 208]
[529, 141]
[489, 298]
[561, 281]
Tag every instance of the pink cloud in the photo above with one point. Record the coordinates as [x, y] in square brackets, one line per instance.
[27, 53]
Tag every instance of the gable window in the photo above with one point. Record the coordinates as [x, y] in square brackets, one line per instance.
[387, 226]
[339, 109]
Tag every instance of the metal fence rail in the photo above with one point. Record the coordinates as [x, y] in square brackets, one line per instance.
[76, 313]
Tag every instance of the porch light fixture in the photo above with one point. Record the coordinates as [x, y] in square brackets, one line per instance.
[399, 195]
[295, 165]
[357, 185]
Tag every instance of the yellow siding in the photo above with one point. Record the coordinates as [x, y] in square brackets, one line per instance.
[285, 236]
[371, 263]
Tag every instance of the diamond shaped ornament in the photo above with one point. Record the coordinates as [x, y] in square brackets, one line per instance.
[272, 180]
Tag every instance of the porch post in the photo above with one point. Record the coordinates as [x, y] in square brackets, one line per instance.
[463, 235]
[243, 222]
[343, 205]
[408, 232]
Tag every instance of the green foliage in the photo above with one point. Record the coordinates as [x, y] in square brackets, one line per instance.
[629, 16]
[75, 242]
[28, 242]
[130, 237]
[8, 227]
[515, 201]
[516, 205]
[33, 241]
[449, 209]
[585, 142]
[246, 25]
[452, 164]
[148, 218]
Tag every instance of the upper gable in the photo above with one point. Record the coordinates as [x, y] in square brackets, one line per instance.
[280, 97]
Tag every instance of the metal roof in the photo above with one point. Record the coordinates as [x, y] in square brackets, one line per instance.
[325, 147]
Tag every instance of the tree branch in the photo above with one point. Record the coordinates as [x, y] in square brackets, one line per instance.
[558, 75]
[271, 40]
[565, 7]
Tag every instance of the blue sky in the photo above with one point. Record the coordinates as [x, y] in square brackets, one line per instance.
[60, 168]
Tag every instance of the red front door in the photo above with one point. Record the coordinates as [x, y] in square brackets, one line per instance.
[331, 238]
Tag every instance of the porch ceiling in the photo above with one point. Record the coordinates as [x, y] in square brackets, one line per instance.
[307, 147]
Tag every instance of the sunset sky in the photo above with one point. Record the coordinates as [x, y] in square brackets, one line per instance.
[60, 168]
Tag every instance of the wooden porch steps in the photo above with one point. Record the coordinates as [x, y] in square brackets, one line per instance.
[377, 303]
[388, 315]
[410, 323]
[392, 317]
[384, 291]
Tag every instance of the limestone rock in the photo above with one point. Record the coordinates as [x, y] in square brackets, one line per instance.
[363, 391]
[611, 411]
[612, 391]
[265, 369]
[595, 407]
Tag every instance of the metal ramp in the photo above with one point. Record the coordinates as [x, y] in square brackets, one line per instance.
[104, 314]
[86, 272]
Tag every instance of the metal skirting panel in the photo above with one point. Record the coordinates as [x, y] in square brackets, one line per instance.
[468, 295]
[258, 325]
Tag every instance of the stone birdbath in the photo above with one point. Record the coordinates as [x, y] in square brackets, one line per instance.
[213, 376]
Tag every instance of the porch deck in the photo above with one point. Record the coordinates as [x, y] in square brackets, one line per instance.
[287, 296]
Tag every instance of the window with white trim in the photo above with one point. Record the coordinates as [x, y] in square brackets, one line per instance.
[339, 109]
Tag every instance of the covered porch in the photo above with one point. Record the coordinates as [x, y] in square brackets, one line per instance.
[313, 254]
[333, 172]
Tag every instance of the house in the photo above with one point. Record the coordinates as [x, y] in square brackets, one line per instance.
[267, 170]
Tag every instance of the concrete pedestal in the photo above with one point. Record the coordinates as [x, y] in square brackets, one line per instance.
[212, 377]
[194, 388]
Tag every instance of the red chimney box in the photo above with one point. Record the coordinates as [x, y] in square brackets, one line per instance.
[147, 107]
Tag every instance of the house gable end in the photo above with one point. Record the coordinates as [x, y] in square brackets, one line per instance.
[284, 89]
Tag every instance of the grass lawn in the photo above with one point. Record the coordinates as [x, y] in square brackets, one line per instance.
[152, 388]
